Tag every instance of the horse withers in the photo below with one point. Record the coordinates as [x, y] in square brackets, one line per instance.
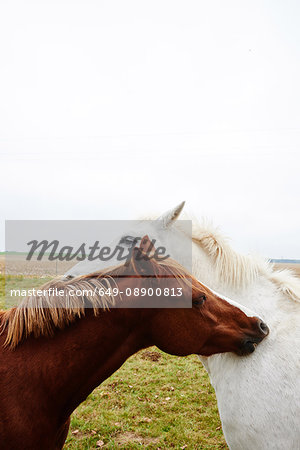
[56, 350]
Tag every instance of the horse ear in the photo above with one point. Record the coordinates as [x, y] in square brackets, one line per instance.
[141, 262]
[170, 216]
[147, 246]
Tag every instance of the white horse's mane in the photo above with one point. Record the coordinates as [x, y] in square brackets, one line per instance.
[238, 270]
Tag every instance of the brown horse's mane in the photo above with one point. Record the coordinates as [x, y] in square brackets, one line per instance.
[42, 315]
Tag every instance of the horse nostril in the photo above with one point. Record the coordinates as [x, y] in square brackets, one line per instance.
[263, 327]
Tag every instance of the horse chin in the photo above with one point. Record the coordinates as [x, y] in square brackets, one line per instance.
[247, 348]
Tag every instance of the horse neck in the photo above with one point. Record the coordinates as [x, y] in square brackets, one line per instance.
[81, 356]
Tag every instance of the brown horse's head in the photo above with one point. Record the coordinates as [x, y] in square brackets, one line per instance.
[159, 301]
[199, 321]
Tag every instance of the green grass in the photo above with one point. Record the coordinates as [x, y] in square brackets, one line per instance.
[153, 401]
[9, 282]
[168, 403]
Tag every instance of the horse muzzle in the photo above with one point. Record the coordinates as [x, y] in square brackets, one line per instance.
[250, 343]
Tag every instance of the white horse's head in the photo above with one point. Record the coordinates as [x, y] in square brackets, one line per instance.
[176, 241]
[202, 252]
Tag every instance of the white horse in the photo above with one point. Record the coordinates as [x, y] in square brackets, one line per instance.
[258, 396]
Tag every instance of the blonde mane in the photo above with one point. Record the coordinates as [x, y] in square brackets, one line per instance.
[41, 315]
[238, 270]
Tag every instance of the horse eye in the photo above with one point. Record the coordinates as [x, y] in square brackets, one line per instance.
[200, 300]
[127, 240]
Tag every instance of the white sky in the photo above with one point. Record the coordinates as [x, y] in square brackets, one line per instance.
[113, 109]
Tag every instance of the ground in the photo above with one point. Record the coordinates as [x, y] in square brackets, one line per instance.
[154, 401]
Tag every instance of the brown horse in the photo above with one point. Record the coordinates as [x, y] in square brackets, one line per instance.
[53, 354]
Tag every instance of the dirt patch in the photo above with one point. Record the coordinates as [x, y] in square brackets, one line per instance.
[16, 264]
[128, 437]
[2, 264]
[150, 355]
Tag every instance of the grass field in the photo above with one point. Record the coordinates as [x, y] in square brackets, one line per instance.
[154, 401]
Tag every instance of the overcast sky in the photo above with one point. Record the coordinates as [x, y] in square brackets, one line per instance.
[114, 109]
